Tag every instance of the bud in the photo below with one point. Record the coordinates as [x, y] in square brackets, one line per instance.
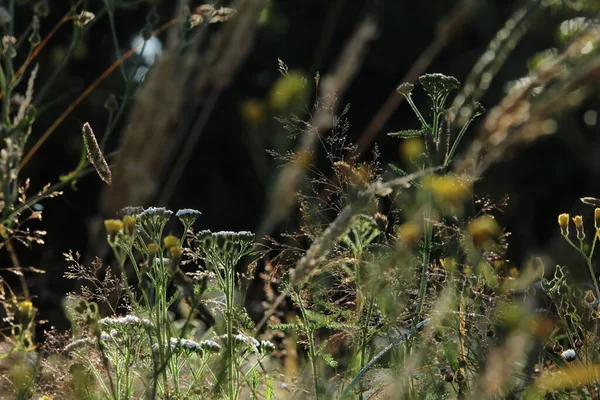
[176, 253]
[152, 248]
[26, 312]
[171, 241]
[563, 222]
[557, 348]
[578, 220]
[589, 297]
[111, 103]
[597, 218]
[113, 226]
[129, 225]
[460, 376]
[448, 376]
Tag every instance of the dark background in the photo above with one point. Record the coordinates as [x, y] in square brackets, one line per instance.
[541, 181]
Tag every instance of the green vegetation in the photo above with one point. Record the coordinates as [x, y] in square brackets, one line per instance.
[395, 283]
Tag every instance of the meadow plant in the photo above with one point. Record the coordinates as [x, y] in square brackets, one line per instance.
[397, 282]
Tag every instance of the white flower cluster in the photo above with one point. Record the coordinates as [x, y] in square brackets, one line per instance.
[264, 347]
[178, 344]
[128, 320]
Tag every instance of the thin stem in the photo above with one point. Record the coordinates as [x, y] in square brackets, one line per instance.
[312, 354]
[588, 259]
[428, 230]
[83, 95]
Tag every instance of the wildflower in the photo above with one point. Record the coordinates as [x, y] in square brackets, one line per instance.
[153, 220]
[210, 346]
[188, 216]
[447, 188]
[84, 18]
[128, 320]
[597, 218]
[288, 90]
[129, 225]
[249, 341]
[483, 230]
[8, 46]
[412, 148]
[113, 226]
[171, 241]
[438, 84]
[133, 211]
[44, 397]
[449, 263]
[405, 89]
[152, 248]
[176, 252]
[266, 347]
[578, 220]
[409, 233]
[26, 311]
[563, 222]
[252, 111]
[569, 355]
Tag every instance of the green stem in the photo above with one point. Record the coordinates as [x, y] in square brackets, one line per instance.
[588, 260]
[312, 353]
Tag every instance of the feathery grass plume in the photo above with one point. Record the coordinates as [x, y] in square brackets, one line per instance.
[333, 86]
[528, 110]
[488, 65]
[94, 154]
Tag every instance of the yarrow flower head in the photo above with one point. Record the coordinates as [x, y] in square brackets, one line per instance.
[128, 320]
[178, 345]
[188, 216]
[266, 347]
[153, 220]
[438, 84]
[405, 89]
[132, 211]
[225, 245]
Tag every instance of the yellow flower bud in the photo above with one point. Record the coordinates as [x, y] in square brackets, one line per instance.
[153, 248]
[563, 222]
[483, 230]
[449, 263]
[176, 253]
[409, 233]
[171, 241]
[129, 224]
[113, 226]
[26, 311]
[578, 220]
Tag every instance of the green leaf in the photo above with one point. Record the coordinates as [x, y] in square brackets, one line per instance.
[328, 359]
[408, 133]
